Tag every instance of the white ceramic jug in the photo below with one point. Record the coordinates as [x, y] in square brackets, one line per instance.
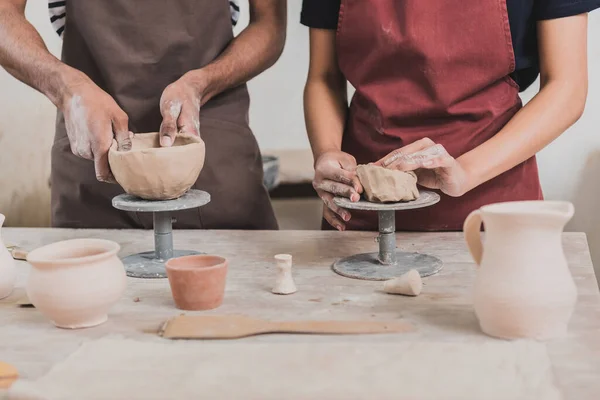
[8, 270]
[524, 288]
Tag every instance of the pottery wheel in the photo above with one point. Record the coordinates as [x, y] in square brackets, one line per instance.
[151, 264]
[389, 262]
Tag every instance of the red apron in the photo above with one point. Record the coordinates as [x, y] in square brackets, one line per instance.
[431, 68]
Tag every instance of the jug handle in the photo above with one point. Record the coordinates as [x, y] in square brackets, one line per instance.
[472, 232]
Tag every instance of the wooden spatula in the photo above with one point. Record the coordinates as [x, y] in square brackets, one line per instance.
[234, 326]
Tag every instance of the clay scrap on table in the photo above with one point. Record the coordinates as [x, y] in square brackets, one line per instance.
[152, 172]
[382, 185]
[408, 284]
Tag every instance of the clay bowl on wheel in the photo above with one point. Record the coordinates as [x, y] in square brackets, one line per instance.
[198, 281]
[152, 172]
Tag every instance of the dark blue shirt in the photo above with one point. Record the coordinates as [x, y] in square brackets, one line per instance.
[522, 14]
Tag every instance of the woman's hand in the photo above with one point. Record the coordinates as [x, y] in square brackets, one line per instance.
[335, 175]
[435, 168]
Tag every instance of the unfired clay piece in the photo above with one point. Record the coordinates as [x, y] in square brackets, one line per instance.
[384, 185]
[284, 283]
[523, 288]
[197, 281]
[153, 172]
[8, 270]
[75, 282]
[408, 284]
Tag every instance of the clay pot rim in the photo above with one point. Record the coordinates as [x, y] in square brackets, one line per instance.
[559, 208]
[39, 256]
[221, 264]
[196, 142]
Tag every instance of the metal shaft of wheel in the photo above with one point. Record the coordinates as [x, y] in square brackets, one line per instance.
[163, 235]
[387, 237]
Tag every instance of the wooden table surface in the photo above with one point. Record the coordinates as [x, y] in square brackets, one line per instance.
[442, 313]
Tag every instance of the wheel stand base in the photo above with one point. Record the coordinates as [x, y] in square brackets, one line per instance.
[151, 264]
[388, 263]
[367, 266]
[146, 265]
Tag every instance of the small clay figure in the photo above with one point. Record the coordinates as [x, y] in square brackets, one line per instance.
[408, 284]
[284, 283]
[384, 185]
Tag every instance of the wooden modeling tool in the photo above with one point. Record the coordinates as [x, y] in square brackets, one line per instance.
[237, 326]
[8, 375]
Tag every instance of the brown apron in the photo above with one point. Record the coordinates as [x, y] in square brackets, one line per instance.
[431, 68]
[133, 49]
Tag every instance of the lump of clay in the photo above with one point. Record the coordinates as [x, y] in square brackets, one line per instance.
[153, 172]
[384, 185]
[408, 284]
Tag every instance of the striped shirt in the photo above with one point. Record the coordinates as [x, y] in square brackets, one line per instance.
[58, 13]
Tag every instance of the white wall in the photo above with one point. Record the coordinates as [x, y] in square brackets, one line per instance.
[27, 119]
[276, 114]
[26, 134]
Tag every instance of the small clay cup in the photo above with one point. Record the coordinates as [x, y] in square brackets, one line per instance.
[197, 281]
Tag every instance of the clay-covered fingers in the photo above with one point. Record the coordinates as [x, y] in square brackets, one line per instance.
[399, 154]
[120, 127]
[342, 213]
[100, 145]
[333, 219]
[189, 118]
[332, 178]
[102, 168]
[337, 188]
[430, 157]
[170, 111]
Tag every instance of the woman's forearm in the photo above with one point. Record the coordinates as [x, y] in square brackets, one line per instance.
[556, 107]
[559, 103]
[325, 109]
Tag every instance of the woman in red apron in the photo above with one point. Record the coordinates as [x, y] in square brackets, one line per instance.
[437, 84]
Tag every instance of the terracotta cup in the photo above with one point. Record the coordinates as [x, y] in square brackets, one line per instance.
[197, 281]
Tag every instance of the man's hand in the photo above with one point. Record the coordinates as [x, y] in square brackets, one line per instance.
[435, 168]
[92, 119]
[335, 175]
[180, 109]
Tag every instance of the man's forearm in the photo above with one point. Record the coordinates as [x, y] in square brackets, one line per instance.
[25, 56]
[253, 51]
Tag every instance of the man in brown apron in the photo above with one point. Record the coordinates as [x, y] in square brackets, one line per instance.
[141, 66]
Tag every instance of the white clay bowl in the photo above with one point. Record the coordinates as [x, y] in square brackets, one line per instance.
[152, 172]
[75, 282]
